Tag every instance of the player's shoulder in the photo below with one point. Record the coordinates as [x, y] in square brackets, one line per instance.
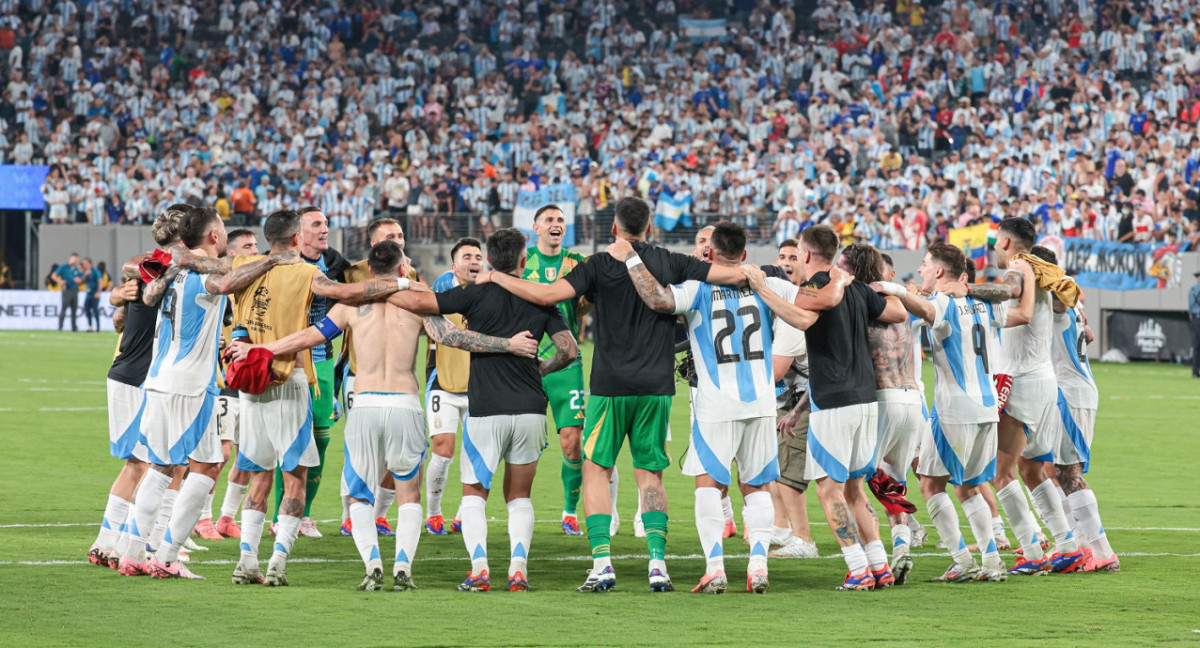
[444, 282]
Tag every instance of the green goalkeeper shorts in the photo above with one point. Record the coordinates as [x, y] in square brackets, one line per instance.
[643, 419]
[322, 395]
[564, 388]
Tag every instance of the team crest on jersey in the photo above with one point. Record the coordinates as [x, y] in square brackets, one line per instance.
[437, 422]
[261, 302]
[551, 274]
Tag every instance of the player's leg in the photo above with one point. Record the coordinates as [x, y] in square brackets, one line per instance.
[939, 465]
[1044, 428]
[758, 467]
[364, 465]
[235, 491]
[324, 416]
[901, 421]
[124, 422]
[863, 424]
[148, 499]
[1075, 453]
[443, 414]
[604, 430]
[406, 443]
[520, 460]
[710, 452]
[978, 444]
[829, 452]
[792, 532]
[484, 439]
[1010, 444]
[205, 527]
[564, 389]
[166, 505]
[647, 444]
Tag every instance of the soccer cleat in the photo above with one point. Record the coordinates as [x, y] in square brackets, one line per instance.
[174, 569]
[456, 526]
[518, 583]
[714, 584]
[98, 557]
[779, 537]
[919, 534]
[383, 528]
[243, 575]
[480, 582]
[228, 527]
[730, 529]
[605, 581]
[207, 530]
[1061, 563]
[1020, 551]
[796, 547]
[402, 582]
[1026, 567]
[130, 567]
[372, 582]
[190, 545]
[992, 574]
[902, 569]
[957, 573]
[276, 575]
[756, 582]
[1110, 564]
[308, 528]
[660, 582]
[436, 525]
[570, 525]
[884, 578]
[860, 582]
[346, 527]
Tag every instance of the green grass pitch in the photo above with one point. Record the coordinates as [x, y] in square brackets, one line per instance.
[55, 473]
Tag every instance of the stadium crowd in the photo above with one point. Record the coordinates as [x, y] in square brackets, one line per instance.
[890, 122]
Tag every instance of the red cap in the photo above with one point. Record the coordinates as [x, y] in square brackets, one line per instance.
[252, 375]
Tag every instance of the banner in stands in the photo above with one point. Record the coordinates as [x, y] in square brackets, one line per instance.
[22, 186]
[702, 30]
[1150, 335]
[528, 203]
[1121, 266]
[37, 310]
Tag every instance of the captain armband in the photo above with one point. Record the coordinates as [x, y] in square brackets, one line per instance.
[328, 328]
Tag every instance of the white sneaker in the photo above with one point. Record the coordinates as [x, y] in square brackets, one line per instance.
[780, 536]
[639, 529]
[308, 528]
[796, 547]
[191, 545]
[919, 534]
[615, 525]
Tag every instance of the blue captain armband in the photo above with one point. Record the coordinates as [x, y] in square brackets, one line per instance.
[328, 328]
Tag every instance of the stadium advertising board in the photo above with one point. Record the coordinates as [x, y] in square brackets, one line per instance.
[1146, 335]
[1122, 266]
[528, 203]
[37, 310]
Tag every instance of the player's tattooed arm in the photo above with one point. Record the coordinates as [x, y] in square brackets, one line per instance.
[119, 319]
[785, 310]
[442, 331]
[181, 256]
[154, 291]
[240, 277]
[843, 523]
[125, 293]
[1011, 287]
[658, 297]
[565, 353]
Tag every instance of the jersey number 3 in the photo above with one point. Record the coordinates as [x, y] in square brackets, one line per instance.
[730, 322]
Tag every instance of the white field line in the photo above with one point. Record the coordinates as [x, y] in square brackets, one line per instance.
[53, 409]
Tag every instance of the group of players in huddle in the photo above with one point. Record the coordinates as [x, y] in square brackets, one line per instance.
[811, 374]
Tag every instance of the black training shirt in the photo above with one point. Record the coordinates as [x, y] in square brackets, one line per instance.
[137, 343]
[502, 383]
[839, 359]
[635, 353]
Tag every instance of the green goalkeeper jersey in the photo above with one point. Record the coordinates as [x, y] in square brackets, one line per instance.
[547, 269]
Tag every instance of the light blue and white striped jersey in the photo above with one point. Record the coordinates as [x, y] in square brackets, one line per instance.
[730, 333]
[186, 345]
[964, 341]
[1071, 365]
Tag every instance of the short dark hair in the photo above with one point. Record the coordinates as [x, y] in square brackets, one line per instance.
[1020, 230]
[633, 215]
[864, 262]
[281, 225]
[543, 209]
[1044, 253]
[307, 209]
[821, 240]
[238, 233]
[728, 239]
[466, 241]
[380, 222]
[887, 258]
[385, 257]
[505, 248]
[970, 271]
[789, 243]
[195, 224]
[951, 258]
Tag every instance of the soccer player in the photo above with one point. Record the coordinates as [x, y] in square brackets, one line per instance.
[177, 416]
[385, 431]
[960, 445]
[843, 426]
[1028, 431]
[734, 408]
[632, 380]
[508, 405]
[448, 372]
[545, 263]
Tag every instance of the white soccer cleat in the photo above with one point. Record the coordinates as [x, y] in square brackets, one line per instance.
[308, 528]
[797, 547]
[779, 536]
[191, 545]
[919, 534]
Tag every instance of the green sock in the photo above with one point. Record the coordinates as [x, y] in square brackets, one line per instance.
[572, 479]
[656, 533]
[321, 436]
[278, 492]
[597, 529]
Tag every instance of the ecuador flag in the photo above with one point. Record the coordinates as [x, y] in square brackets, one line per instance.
[973, 241]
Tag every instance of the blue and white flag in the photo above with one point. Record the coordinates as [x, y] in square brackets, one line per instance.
[528, 202]
[671, 211]
[703, 30]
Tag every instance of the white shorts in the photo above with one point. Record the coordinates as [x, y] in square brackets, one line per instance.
[964, 452]
[841, 442]
[445, 410]
[276, 427]
[125, 404]
[176, 428]
[1075, 436]
[348, 389]
[901, 422]
[1032, 402]
[229, 410]
[752, 442]
[517, 439]
[384, 433]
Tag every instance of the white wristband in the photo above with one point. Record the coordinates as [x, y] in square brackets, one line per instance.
[893, 289]
[633, 260]
[402, 283]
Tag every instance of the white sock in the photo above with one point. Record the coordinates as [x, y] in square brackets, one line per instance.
[123, 535]
[876, 555]
[362, 527]
[408, 534]
[474, 530]
[1072, 519]
[980, 518]
[166, 505]
[901, 540]
[945, 520]
[856, 558]
[1056, 520]
[185, 514]
[346, 508]
[758, 516]
[285, 537]
[206, 507]
[710, 525]
[146, 502]
[115, 513]
[383, 501]
[998, 527]
[1083, 503]
[520, 533]
[252, 530]
[435, 483]
[726, 510]
[1020, 518]
[233, 499]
